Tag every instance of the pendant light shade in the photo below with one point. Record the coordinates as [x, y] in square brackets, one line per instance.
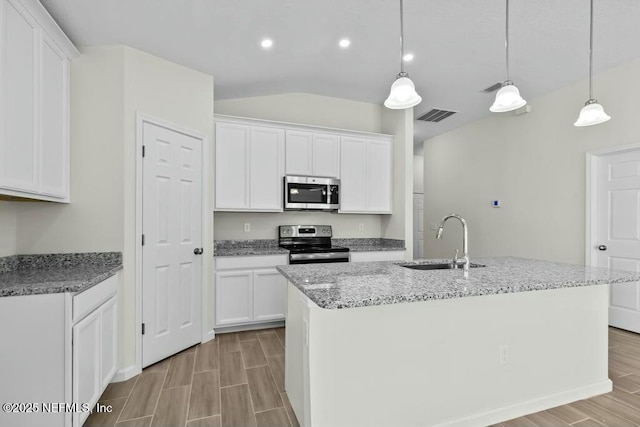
[592, 113]
[403, 92]
[508, 97]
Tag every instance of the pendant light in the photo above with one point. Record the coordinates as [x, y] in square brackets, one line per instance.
[508, 97]
[403, 92]
[592, 113]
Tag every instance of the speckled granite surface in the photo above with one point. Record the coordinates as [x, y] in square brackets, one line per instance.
[370, 244]
[247, 247]
[55, 273]
[347, 285]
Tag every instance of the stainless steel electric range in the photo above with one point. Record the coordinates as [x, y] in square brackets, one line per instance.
[308, 244]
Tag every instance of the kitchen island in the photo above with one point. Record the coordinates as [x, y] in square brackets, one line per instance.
[378, 344]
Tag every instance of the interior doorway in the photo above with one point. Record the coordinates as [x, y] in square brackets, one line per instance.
[613, 226]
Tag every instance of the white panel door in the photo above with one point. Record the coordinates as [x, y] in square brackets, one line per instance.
[232, 175]
[326, 155]
[298, 153]
[234, 297]
[172, 227]
[379, 163]
[269, 295]
[54, 153]
[86, 375]
[418, 225]
[618, 236]
[266, 166]
[353, 174]
[109, 341]
[19, 139]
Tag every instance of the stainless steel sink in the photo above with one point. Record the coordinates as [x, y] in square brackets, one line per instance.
[443, 266]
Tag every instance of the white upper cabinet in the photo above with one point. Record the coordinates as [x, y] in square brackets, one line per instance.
[266, 168]
[253, 156]
[34, 103]
[366, 183]
[312, 154]
[299, 154]
[249, 168]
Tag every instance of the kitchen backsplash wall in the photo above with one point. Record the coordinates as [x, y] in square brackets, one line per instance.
[230, 225]
[8, 228]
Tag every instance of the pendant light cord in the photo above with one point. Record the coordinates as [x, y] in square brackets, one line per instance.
[591, 52]
[401, 38]
[506, 40]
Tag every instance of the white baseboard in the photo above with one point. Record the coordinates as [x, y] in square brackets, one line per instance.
[496, 416]
[208, 336]
[126, 373]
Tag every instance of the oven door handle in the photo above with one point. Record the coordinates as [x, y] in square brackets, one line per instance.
[318, 256]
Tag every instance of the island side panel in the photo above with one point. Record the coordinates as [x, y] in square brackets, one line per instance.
[438, 362]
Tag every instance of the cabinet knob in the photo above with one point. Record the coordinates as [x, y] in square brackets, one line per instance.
[198, 251]
[602, 247]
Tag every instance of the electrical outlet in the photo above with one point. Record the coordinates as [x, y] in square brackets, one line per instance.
[504, 354]
[247, 227]
[360, 227]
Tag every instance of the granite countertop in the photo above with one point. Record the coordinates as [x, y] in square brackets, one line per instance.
[56, 273]
[348, 285]
[370, 244]
[253, 247]
[270, 246]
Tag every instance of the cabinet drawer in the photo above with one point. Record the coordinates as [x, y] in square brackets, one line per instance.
[261, 261]
[87, 301]
[378, 256]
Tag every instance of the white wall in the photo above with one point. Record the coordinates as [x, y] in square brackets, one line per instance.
[108, 86]
[400, 224]
[8, 228]
[309, 109]
[418, 174]
[534, 163]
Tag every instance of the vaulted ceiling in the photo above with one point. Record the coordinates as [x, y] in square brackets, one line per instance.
[458, 44]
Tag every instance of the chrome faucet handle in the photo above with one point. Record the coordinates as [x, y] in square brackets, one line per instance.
[455, 260]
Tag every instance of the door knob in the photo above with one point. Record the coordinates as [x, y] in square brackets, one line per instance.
[602, 248]
[198, 251]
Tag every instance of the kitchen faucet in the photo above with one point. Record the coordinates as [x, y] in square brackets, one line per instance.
[465, 242]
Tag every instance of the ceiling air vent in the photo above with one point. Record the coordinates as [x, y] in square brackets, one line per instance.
[492, 88]
[436, 115]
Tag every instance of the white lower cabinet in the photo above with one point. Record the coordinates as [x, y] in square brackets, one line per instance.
[57, 348]
[249, 290]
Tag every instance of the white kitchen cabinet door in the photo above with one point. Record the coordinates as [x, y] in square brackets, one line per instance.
[379, 163]
[299, 153]
[353, 174]
[266, 169]
[234, 297]
[109, 341]
[269, 295]
[19, 137]
[54, 151]
[326, 155]
[377, 256]
[232, 173]
[86, 379]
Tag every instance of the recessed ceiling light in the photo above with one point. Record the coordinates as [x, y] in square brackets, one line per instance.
[408, 57]
[344, 43]
[266, 43]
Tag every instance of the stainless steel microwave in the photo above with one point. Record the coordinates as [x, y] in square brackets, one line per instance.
[311, 193]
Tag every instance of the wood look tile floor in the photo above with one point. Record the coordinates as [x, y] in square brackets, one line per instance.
[237, 380]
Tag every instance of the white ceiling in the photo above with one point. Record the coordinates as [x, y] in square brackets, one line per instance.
[458, 45]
